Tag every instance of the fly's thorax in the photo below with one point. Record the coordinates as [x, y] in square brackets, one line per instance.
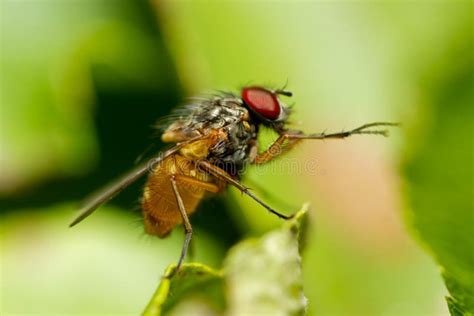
[234, 152]
[203, 115]
[225, 123]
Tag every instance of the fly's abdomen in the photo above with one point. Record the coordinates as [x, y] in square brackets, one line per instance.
[160, 208]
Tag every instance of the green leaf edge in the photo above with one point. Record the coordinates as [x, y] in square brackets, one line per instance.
[158, 299]
[155, 305]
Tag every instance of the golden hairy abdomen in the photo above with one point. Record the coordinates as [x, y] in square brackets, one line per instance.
[160, 208]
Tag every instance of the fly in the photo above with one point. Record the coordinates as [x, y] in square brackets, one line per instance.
[213, 139]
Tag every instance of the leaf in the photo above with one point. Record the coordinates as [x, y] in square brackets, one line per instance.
[260, 276]
[440, 174]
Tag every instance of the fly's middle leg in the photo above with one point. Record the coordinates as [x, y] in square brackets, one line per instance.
[223, 175]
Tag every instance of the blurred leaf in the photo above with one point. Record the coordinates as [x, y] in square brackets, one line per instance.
[261, 276]
[59, 58]
[454, 308]
[108, 251]
[440, 175]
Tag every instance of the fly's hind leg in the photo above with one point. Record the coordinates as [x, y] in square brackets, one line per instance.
[193, 182]
[182, 210]
[187, 225]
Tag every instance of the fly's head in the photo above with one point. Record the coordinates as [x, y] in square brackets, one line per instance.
[266, 106]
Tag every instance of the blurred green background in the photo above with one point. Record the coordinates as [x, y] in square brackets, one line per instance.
[83, 82]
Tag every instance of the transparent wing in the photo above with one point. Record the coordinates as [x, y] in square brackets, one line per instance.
[102, 196]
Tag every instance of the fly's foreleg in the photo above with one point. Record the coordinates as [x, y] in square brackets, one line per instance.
[281, 145]
[289, 138]
[366, 129]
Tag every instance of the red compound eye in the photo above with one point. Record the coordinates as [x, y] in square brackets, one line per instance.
[262, 101]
